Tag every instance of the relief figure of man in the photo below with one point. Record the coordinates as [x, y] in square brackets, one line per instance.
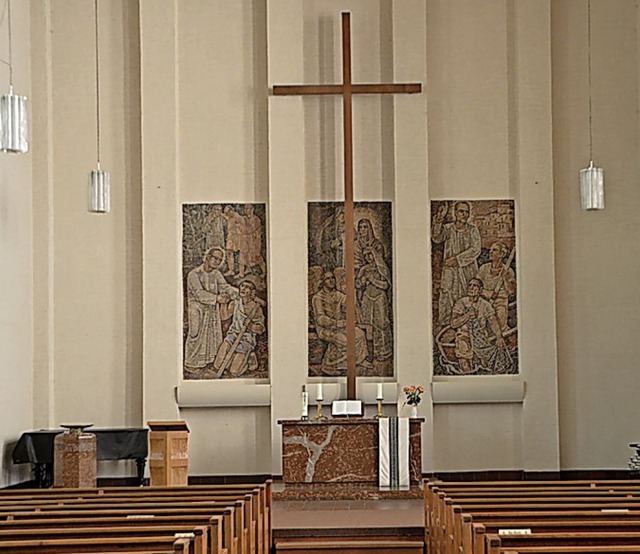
[462, 247]
[207, 289]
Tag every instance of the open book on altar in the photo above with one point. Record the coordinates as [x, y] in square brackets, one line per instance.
[346, 408]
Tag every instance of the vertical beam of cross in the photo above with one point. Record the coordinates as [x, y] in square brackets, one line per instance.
[347, 89]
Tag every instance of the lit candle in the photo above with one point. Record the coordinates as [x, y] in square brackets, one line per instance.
[319, 396]
[379, 395]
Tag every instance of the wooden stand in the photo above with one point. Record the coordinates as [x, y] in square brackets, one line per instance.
[168, 453]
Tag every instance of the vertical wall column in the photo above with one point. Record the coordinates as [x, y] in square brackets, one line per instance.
[41, 140]
[160, 208]
[531, 175]
[287, 216]
[411, 211]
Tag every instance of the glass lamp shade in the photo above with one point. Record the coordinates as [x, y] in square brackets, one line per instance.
[99, 191]
[13, 123]
[592, 188]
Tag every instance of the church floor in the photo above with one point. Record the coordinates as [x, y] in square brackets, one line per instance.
[348, 526]
[349, 514]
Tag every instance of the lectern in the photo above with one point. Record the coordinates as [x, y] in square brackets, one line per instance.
[168, 453]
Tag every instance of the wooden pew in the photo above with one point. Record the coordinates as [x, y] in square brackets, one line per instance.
[37, 527]
[234, 531]
[84, 546]
[572, 550]
[493, 543]
[198, 534]
[516, 542]
[449, 527]
[250, 541]
[260, 512]
[454, 527]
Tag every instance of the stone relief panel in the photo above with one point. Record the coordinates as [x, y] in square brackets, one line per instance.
[473, 260]
[225, 302]
[327, 286]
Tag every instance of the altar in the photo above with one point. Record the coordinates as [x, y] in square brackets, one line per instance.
[340, 451]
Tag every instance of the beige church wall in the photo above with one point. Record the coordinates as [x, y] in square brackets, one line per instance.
[597, 252]
[16, 218]
[107, 300]
[306, 146]
[204, 141]
[506, 143]
[87, 267]
[185, 109]
[463, 449]
[489, 100]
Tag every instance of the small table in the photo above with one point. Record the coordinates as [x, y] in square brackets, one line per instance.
[36, 447]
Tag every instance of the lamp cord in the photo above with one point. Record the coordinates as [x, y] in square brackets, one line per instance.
[97, 85]
[7, 12]
[589, 78]
[10, 53]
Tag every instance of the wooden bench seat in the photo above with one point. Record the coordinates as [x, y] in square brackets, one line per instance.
[215, 526]
[455, 515]
[254, 514]
[585, 538]
[257, 498]
[198, 533]
[615, 549]
[85, 546]
[237, 517]
[457, 529]
[235, 535]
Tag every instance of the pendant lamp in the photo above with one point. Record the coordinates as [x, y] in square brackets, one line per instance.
[99, 189]
[592, 177]
[13, 109]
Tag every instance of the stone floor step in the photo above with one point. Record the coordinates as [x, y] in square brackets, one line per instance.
[350, 545]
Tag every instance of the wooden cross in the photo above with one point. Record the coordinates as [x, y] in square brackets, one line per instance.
[346, 90]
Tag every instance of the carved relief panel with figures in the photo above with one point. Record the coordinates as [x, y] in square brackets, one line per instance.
[374, 289]
[473, 260]
[224, 271]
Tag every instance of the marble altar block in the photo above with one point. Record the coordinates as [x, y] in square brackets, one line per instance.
[340, 451]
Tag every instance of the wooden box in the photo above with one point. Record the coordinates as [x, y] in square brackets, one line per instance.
[168, 453]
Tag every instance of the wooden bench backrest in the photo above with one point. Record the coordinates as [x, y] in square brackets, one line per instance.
[232, 530]
[67, 546]
[215, 525]
[200, 533]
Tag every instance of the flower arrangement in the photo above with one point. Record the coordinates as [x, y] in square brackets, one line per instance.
[413, 394]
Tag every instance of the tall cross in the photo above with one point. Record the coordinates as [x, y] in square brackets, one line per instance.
[346, 90]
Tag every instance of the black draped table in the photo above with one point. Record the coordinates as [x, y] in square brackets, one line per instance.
[36, 447]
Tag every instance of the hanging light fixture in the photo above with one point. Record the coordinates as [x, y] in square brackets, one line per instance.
[591, 178]
[99, 180]
[13, 109]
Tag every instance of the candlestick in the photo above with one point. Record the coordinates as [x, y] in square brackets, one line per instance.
[379, 414]
[319, 395]
[319, 410]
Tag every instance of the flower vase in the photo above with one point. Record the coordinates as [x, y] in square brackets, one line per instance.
[414, 411]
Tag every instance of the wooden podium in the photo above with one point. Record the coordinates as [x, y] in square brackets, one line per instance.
[168, 453]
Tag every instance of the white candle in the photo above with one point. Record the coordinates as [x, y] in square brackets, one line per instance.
[319, 396]
[379, 395]
[305, 403]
